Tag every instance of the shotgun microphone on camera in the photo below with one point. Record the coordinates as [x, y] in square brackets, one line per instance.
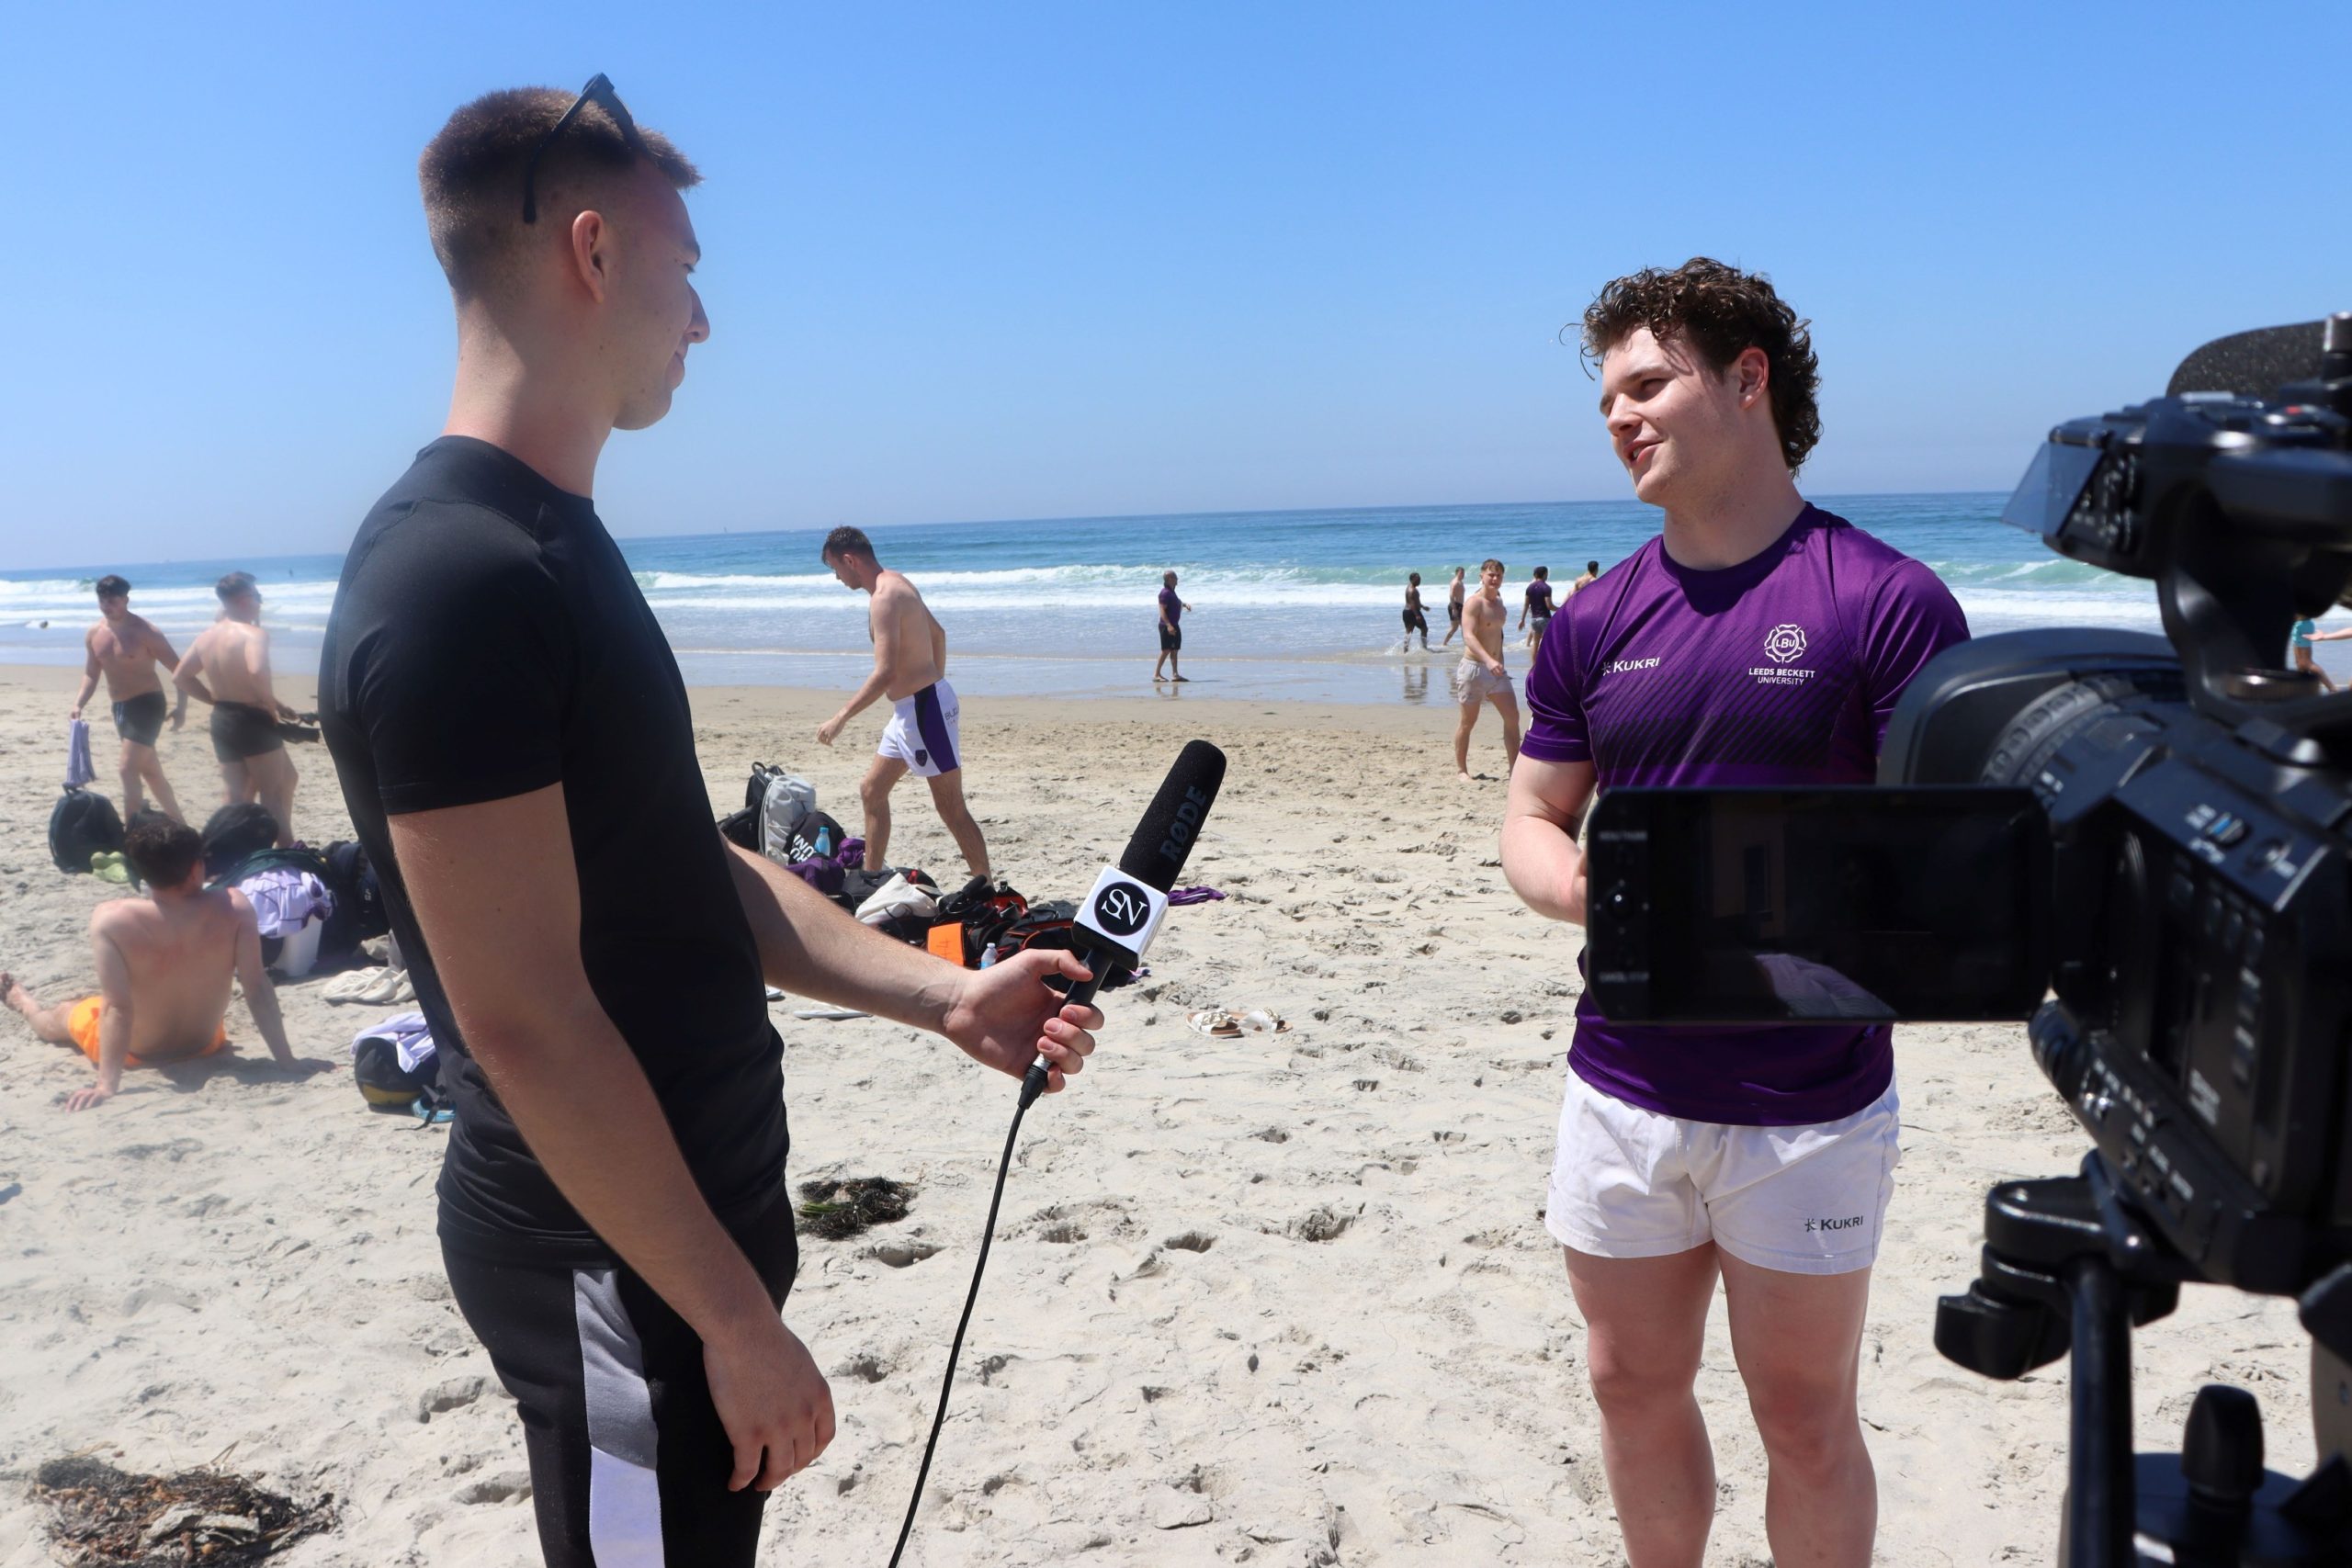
[1123, 911]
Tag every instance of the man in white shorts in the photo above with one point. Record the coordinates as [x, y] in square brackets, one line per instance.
[1757, 641]
[1481, 677]
[910, 668]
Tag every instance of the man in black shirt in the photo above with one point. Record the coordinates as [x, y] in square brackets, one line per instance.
[588, 951]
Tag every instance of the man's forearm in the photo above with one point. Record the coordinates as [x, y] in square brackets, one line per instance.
[114, 1045]
[862, 698]
[81, 697]
[808, 945]
[261, 1000]
[191, 684]
[582, 1103]
[1545, 866]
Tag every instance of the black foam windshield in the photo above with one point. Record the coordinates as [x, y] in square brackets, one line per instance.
[1165, 836]
[2252, 364]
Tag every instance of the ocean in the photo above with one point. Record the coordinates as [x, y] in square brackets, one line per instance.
[1299, 605]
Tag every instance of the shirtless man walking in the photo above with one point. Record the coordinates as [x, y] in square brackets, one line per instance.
[234, 654]
[126, 648]
[910, 669]
[1453, 609]
[1415, 620]
[164, 965]
[1480, 677]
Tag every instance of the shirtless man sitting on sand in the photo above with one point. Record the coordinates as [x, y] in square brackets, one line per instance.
[164, 965]
[1481, 677]
[233, 652]
[910, 668]
[126, 648]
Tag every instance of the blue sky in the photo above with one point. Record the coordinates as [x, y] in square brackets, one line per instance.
[1032, 260]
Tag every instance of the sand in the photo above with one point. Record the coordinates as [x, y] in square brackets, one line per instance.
[1280, 1300]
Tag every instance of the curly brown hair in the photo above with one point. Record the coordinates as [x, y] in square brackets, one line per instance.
[1721, 311]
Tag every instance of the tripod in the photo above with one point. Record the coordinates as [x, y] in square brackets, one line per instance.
[2069, 1264]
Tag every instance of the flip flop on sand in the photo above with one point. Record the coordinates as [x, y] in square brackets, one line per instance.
[1218, 1024]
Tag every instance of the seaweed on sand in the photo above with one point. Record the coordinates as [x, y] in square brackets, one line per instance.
[837, 1208]
[105, 1517]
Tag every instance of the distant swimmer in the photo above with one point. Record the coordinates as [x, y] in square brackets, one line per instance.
[164, 963]
[910, 668]
[1538, 608]
[1415, 620]
[126, 648]
[1171, 630]
[1591, 571]
[1480, 677]
[233, 654]
[1453, 609]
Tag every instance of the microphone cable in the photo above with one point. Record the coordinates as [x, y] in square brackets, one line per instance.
[1033, 1084]
[1123, 912]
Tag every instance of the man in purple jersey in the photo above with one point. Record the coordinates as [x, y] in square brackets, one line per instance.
[1758, 640]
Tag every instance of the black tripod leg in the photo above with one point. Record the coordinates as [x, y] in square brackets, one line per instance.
[2098, 1484]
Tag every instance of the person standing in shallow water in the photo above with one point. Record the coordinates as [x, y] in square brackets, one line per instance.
[1415, 619]
[1171, 630]
[1453, 609]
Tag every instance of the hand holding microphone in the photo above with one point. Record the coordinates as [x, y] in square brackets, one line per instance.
[1006, 1012]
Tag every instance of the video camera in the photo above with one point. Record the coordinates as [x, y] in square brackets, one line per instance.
[2141, 844]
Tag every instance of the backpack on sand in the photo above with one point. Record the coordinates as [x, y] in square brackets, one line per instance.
[81, 824]
[236, 833]
[387, 1086]
[782, 801]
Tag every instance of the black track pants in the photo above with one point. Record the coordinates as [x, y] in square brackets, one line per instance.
[628, 1461]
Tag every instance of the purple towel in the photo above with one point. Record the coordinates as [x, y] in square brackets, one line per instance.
[78, 771]
[1184, 896]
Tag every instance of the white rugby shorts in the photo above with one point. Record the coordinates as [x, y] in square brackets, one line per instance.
[1811, 1199]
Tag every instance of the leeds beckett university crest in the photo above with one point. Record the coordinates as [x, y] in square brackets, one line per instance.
[1784, 642]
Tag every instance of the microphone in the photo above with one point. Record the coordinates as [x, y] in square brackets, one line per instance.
[1124, 911]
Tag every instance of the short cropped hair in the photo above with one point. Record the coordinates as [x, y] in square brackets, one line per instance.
[472, 176]
[113, 587]
[1721, 312]
[1414, 578]
[162, 851]
[1542, 572]
[1593, 566]
[232, 584]
[848, 541]
[1490, 561]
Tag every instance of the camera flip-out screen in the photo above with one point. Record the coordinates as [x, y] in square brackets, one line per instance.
[1860, 904]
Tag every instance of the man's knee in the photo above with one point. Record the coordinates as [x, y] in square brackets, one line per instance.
[1807, 1422]
[1635, 1387]
[875, 792]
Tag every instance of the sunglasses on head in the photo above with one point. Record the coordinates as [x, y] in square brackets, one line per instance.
[599, 91]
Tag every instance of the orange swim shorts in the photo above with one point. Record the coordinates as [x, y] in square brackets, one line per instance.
[81, 1024]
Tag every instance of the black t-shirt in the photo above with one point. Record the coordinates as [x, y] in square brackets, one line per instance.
[487, 640]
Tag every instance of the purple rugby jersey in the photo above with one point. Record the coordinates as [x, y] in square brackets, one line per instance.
[1779, 672]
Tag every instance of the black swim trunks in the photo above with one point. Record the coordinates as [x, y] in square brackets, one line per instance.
[140, 719]
[241, 730]
[1171, 638]
[1416, 621]
[1454, 610]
